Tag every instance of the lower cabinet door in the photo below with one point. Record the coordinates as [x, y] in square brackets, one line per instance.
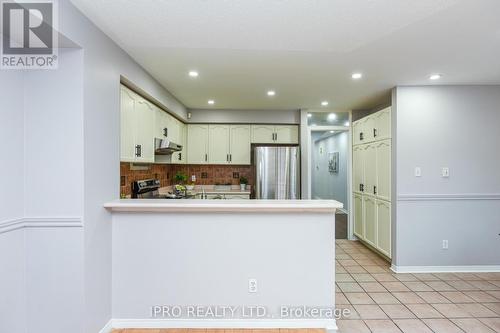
[370, 214]
[384, 227]
[358, 216]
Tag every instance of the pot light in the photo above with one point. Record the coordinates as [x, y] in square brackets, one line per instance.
[193, 73]
[309, 115]
[435, 76]
[332, 132]
[211, 102]
[271, 93]
[357, 76]
[332, 116]
[346, 124]
[324, 103]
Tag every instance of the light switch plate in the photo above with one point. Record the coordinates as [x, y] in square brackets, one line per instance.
[418, 172]
[445, 172]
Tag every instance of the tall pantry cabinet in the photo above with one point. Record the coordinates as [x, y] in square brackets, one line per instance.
[372, 180]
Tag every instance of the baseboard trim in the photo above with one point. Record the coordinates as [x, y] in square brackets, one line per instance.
[108, 327]
[40, 222]
[328, 324]
[446, 269]
[448, 197]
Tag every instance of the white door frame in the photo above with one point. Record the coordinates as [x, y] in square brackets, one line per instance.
[306, 158]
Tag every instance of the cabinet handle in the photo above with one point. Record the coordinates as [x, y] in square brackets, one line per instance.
[361, 187]
[206, 157]
[138, 151]
[361, 136]
[374, 189]
[276, 136]
[375, 133]
[227, 157]
[165, 132]
[230, 157]
[180, 156]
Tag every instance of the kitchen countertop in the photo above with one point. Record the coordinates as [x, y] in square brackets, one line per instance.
[247, 206]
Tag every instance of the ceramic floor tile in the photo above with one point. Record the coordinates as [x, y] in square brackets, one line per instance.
[447, 276]
[408, 297]
[426, 277]
[417, 286]
[340, 299]
[372, 287]
[382, 326]
[359, 298]
[462, 285]
[484, 285]
[477, 310]
[457, 297]
[433, 297]
[412, 326]
[350, 287]
[424, 311]
[376, 269]
[442, 326]
[493, 307]
[494, 293]
[347, 262]
[397, 311]
[370, 312]
[348, 312]
[341, 277]
[471, 325]
[404, 277]
[481, 296]
[363, 277]
[352, 326]
[493, 323]
[395, 286]
[384, 277]
[355, 269]
[451, 311]
[384, 298]
[440, 286]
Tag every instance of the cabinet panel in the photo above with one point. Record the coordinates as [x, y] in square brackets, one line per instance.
[370, 169]
[145, 131]
[384, 170]
[358, 168]
[383, 124]
[262, 134]
[384, 227]
[369, 130]
[358, 215]
[370, 220]
[218, 144]
[127, 126]
[180, 157]
[240, 144]
[357, 129]
[286, 134]
[197, 142]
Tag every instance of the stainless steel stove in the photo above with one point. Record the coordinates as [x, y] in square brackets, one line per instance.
[149, 189]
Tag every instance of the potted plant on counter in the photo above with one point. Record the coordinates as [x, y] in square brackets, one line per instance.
[180, 179]
[243, 183]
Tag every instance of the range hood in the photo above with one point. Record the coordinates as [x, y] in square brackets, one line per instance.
[166, 147]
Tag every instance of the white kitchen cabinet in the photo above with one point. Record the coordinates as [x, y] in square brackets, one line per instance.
[262, 133]
[370, 220]
[358, 168]
[384, 227]
[358, 215]
[280, 134]
[240, 144]
[370, 169]
[137, 130]
[237, 196]
[180, 157]
[218, 146]
[286, 134]
[383, 167]
[197, 142]
[369, 131]
[382, 124]
[127, 126]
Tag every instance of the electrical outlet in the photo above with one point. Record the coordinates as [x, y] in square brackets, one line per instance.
[445, 172]
[445, 244]
[252, 285]
[418, 172]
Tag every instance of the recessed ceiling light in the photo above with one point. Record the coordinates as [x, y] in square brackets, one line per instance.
[271, 93]
[211, 102]
[357, 76]
[435, 76]
[309, 115]
[346, 124]
[324, 103]
[332, 116]
[193, 73]
[332, 132]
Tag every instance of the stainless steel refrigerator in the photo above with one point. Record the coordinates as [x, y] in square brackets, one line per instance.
[277, 172]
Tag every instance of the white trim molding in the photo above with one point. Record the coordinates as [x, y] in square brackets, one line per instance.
[40, 222]
[328, 324]
[446, 269]
[449, 197]
[108, 327]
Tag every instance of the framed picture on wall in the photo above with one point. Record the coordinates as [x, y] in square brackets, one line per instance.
[333, 162]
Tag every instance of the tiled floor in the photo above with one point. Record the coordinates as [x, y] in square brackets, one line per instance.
[383, 302]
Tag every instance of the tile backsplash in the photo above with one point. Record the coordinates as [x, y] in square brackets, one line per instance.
[205, 174]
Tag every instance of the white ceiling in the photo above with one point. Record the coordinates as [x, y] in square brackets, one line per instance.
[306, 50]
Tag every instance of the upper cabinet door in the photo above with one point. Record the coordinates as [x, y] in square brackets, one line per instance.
[180, 157]
[218, 144]
[240, 144]
[161, 123]
[370, 169]
[358, 129]
[358, 168]
[127, 126]
[197, 142]
[384, 169]
[383, 124]
[369, 130]
[262, 133]
[286, 134]
[145, 131]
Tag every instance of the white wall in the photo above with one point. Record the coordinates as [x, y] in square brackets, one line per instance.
[455, 127]
[245, 116]
[326, 185]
